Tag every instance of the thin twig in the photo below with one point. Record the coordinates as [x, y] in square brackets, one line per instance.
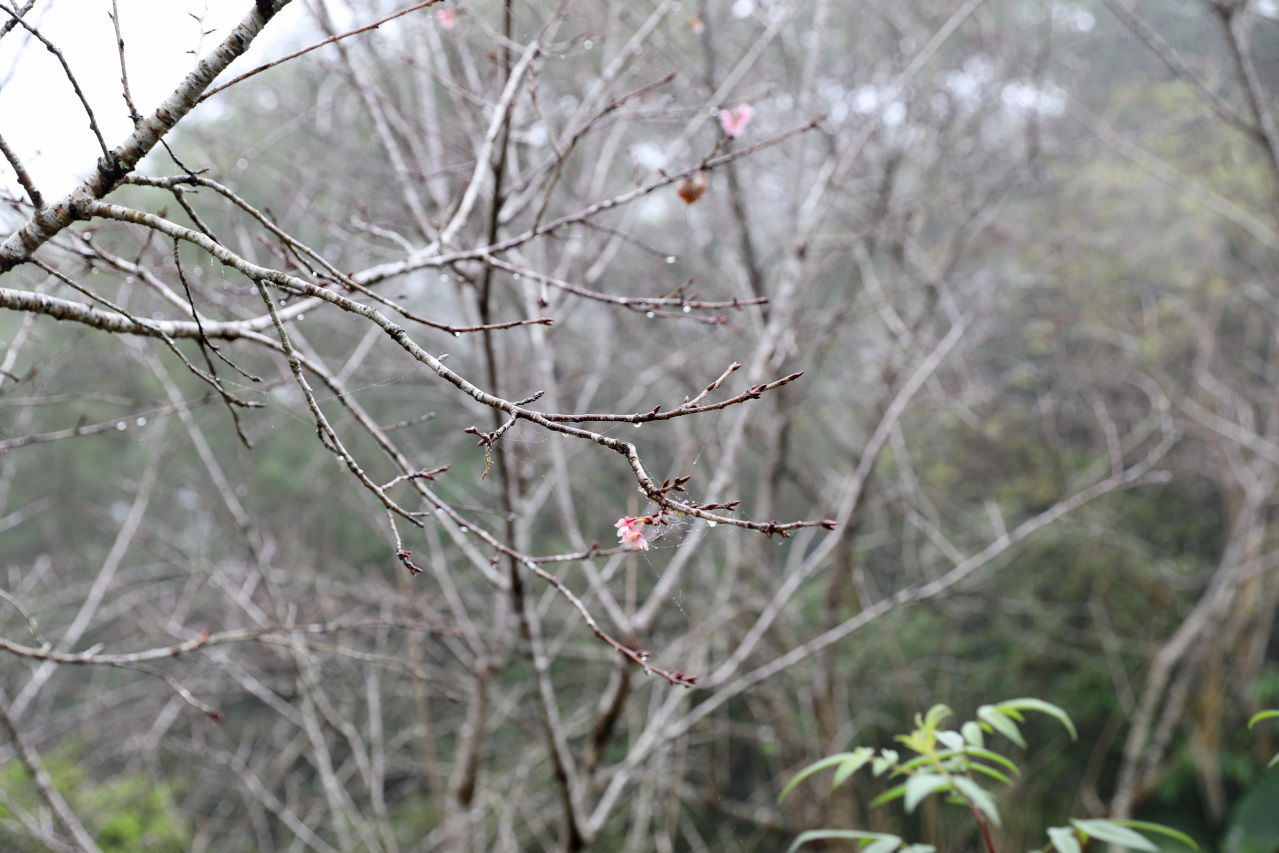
[104, 426]
[24, 178]
[689, 407]
[19, 245]
[246, 75]
[13, 22]
[134, 115]
[75, 84]
[34, 628]
[429, 258]
[327, 435]
[212, 380]
[641, 304]
[207, 640]
[1179, 66]
[89, 208]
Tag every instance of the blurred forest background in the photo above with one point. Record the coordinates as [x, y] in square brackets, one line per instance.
[1025, 253]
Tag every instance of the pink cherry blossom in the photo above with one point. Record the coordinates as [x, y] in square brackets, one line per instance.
[630, 532]
[447, 18]
[735, 123]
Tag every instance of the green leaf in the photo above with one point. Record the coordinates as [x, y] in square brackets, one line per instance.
[918, 787]
[919, 848]
[979, 797]
[918, 761]
[894, 793]
[952, 740]
[1273, 761]
[1011, 712]
[989, 771]
[1264, 715]
[1042, 707]
[991, 715]
[936, 714]
[839, 835]
[883, 845]
[995, 757]
[817, 766]
[1160, 829]
[852, 764]
[887, 758]
[972, 733]
[1064, 839]
[1108, 830]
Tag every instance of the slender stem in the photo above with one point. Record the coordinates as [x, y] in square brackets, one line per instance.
[984, 826]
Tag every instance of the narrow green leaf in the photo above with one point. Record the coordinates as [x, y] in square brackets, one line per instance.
[883, 845]
[918, 787]
[919, 848]
[817, 766]
[1042, 707]
[1064, 839]
[887, 758]
[1264, 715]
[1000, 723]
[894, 793]
[952, 740]
[989, 771]
[995, 757]
[836, 835]
[1273, 761]
[852, 764]
[936, 714]
[1160, 829]
[979, 798]
[972, 733]
[1107, 830]
[918, 761]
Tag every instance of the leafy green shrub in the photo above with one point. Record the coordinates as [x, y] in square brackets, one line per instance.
[125, 814]
[951, 762]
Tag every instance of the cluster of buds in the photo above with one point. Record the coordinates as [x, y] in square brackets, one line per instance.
[730, 506]
[683, 678]
[674, 676]
[676, 486]
[404, 557]
[486, 438]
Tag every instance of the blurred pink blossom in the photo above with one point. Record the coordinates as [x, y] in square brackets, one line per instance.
[629, 531]
[447, 18]
[736, 121]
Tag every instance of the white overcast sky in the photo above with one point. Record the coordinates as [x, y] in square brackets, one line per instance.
[41, 118]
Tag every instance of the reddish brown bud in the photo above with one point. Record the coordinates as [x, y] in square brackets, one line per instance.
[693, 187]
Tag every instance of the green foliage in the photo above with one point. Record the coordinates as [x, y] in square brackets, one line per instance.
[1265, 715]
[951, 762]
[125, 814]
[1254, 824]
